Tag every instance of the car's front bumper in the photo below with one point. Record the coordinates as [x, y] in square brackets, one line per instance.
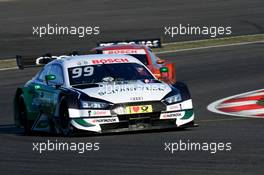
[171, 116]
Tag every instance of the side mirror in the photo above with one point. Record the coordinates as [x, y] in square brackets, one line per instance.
[160, 61]
[164, 70]
[50, 77]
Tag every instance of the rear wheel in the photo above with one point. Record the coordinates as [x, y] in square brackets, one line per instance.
[22, 112]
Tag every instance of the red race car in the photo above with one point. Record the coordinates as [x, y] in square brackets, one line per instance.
[141, 50]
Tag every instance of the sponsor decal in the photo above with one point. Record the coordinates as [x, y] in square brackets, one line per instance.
[80, 63]
[76, 113]
[120, 110]
[139, 109]
[154, 43]
[173, 115]
[136, 98]
[125, 51]
[103, 120]
[110, 60]
[185, 105]
[45, 59]
[175, 107]
[248, 104]
[98, 113]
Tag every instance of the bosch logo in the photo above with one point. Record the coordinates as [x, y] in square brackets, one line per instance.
[110, 60]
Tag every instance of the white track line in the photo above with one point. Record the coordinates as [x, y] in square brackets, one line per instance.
[209, 47]
[254, 94]
[216, 39]
[212, 107]
[9, 68]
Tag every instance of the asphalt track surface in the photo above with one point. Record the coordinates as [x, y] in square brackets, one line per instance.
[118, 20]
[210, 73]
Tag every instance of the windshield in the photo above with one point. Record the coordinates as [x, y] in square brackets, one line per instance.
[107, 72]
[141, 57]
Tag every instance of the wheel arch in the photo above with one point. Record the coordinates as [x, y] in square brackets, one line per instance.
[70, 99]
[184, 90]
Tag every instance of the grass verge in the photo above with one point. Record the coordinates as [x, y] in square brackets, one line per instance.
[210, 42]
[261, 102]
[7, 63]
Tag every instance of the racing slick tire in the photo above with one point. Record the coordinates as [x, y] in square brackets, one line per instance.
[22, 113]
[66, 129]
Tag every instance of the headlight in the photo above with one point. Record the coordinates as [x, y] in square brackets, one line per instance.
[173, 99]
[92, 104]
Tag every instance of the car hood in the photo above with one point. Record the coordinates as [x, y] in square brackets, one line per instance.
[136, 91]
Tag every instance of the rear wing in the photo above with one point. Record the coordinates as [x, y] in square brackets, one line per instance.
[32, 61]
[37, 61]
[152, 43]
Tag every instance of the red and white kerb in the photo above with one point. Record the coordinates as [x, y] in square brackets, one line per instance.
[244, 105]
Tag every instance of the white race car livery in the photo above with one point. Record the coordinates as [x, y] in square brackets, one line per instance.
[104, 93]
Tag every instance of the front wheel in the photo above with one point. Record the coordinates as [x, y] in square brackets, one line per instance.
[65, 123]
